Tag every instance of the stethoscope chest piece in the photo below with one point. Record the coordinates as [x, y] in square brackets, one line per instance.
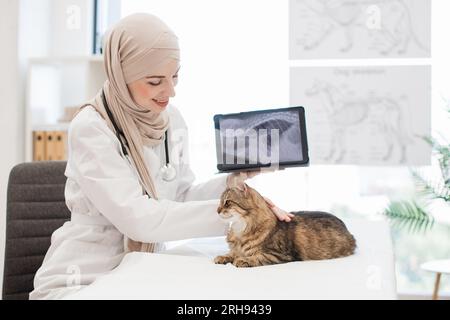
[168, 172]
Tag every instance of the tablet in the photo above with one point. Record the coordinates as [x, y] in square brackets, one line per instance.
[263, 138]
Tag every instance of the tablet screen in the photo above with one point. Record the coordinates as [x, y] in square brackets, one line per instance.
[261, 138]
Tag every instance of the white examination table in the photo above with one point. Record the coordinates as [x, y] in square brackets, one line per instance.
[187, 271]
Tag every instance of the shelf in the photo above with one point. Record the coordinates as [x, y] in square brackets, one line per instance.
[73, 59]
[63, 126]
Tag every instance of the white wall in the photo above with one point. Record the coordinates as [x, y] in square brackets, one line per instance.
[31, 28]
[26, 28]
[234, 57]
[70, 24]
[11, 117]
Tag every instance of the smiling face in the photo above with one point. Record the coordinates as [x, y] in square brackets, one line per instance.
[155, 90]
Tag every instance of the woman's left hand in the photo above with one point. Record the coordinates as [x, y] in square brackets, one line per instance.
[281, 214]
[237, 179]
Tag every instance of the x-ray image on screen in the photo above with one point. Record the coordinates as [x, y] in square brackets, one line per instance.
[260, 138]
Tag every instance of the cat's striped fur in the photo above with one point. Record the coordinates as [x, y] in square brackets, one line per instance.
[256, 237]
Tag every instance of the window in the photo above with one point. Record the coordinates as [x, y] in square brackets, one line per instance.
[106, 13]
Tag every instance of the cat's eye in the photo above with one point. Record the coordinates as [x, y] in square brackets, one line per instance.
[226, 204]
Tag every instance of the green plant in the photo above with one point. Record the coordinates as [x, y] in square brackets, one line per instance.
[414, 215]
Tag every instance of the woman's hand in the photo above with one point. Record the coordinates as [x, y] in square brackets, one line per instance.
[281, 214]
[237, 179]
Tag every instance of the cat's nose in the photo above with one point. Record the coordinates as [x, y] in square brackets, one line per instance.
[219, 209]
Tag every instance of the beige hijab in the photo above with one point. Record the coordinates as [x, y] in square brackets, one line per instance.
[133, 48]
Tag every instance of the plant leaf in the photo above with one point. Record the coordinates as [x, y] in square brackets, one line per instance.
[408, 215]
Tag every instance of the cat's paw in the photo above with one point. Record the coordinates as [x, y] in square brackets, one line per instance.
[242, 263]
[223, 259]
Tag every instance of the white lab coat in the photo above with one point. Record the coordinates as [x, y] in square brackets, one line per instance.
[105, 199]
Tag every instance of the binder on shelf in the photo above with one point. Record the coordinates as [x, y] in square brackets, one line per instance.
[60, 145]
[50, 145]
[39, 148]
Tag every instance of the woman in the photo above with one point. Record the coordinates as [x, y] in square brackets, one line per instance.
[120, 199]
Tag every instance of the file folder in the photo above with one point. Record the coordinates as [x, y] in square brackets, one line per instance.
[39, 148]
[50, 145]
[60, 145]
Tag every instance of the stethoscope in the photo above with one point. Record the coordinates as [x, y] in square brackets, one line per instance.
[168, 171]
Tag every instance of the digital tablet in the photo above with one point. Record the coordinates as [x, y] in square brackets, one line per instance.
[263, 138]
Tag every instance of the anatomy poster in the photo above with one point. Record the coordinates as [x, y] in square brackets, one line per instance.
[336, 29]
[365, 115]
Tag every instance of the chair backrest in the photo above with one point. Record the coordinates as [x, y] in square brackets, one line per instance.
[35, 209]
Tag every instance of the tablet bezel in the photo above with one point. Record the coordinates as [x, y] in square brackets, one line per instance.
[249, 167]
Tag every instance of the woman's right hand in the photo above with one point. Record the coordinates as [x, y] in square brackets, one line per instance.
[237, 179]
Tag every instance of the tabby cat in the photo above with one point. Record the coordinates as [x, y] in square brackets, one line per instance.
[256, 237]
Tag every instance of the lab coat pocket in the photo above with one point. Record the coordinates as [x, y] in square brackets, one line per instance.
[101, 241]
[86, 259]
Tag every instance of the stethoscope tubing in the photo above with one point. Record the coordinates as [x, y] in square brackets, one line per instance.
[120, 135]
[169, 171]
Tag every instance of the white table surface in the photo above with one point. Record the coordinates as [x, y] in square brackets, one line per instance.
[439, 266]
[187, 271]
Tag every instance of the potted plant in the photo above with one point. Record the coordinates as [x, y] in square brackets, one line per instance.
[415, 214]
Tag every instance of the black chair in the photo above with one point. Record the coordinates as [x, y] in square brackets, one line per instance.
[35, 209]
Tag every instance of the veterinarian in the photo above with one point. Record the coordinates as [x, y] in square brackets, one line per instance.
[129, 185]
